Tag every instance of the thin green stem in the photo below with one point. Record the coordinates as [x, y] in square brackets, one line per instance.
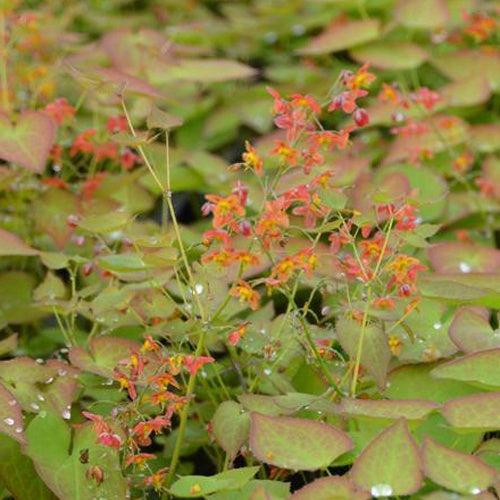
[359, 352]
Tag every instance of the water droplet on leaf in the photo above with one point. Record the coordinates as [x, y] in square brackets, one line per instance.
[9, 421]
[381, 490]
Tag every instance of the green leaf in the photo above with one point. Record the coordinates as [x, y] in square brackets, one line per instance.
[50, 212]
[329, 488]
[476, 411]
[455, 470]
[461, 64]
[421, 14]
[55, 453]
[489, 452]
[8, 344]
[16, 290]
[104, 355]
[485, 137]
[342, 36]
[51, 288]
[375, 353]
[104, 223]
[390, 55]
[466, 92]
[414, 381]
[122, 263]
[470, 288]
[390, 464]
[11, 416]
[231, 426]
[274, 489]
[410, 409]
[295, 443]
[18, 474]
[28, 142]
[455, 257]
[471, 330]
[200, 486]
[479, 367]
[11, 244]
[202, 70]
[161, 119]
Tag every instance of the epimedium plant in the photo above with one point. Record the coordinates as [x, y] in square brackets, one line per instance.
[303, 339]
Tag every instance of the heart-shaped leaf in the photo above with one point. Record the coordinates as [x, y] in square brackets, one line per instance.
[161, 119]
[296, 443]
[390, 55]
[414, 381]
[455, 470]
[375, 353]
[410, 409]
[390, 464]
[105, 353]
[466, 92]
[231, 425]
[476, 411]
[485, 137]
[104, 223]
[454, 257]
[200, 486]
[55, 452]
[330, 488]
[479, 367]
[28, 142]
[11, 415]
[11, 244]
[18, 474]
[464, 63]
[471, 331]
[342, 35]
[421, 14]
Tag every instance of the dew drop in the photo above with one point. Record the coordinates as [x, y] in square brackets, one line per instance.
[40, 397]
[268, 371]
[475, 490]
[18, 430]
[464, 267]
[12, 402]
[62, 372]
[35, 406]
[198, 288]
[381, 490]
[437, 325]
[66, 414]
[39, 361]
[49, 380]
[9, 421]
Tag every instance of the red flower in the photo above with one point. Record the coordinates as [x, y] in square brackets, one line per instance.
[117, 124]
[82, 143]
[245, 293]
[193, 364]
[60, 110]
[361, 117]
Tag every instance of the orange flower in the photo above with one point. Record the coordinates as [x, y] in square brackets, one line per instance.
[245, 293]
[138, 459]
[125, 383]
[287, 153]
[224, 209]
[252, 160]
[156, 480]
[361, 79]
